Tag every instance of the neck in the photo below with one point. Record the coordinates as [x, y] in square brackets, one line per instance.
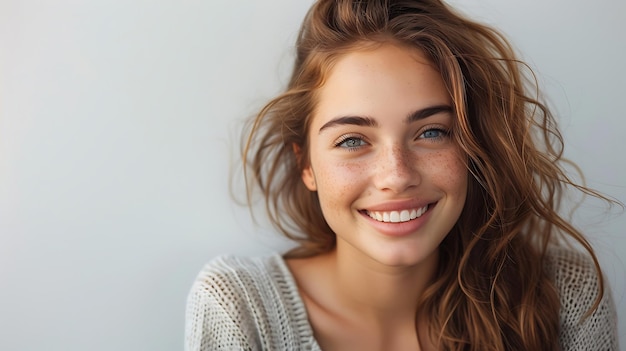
[377, 291]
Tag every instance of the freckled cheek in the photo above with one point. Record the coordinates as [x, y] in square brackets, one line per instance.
[448, 171]
[338, 182]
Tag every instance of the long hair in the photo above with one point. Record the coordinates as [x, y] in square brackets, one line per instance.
[491, 291]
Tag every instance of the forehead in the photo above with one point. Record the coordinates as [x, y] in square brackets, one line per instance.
[368, 57]
[387, 79]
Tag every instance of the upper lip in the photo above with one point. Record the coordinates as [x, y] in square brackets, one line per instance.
[398, 205]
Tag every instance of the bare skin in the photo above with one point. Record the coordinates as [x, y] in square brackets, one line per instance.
[363, 312]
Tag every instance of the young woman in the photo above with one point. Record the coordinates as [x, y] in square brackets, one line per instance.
[421, 180]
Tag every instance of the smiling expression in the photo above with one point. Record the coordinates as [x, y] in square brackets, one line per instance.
[390, 180]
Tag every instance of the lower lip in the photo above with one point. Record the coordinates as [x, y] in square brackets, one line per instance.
[400, 228]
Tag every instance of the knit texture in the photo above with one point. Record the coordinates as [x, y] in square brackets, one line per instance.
[576, 279]
[254, 304]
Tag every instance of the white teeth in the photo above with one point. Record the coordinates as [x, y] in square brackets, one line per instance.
[405, 216]
[394, 217]
[397, 217]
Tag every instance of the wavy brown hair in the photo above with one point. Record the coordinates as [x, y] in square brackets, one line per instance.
[491, 291]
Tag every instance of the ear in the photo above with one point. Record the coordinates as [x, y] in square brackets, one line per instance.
[308, 177]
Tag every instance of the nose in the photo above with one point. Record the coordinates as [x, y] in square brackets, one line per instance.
[396, 170]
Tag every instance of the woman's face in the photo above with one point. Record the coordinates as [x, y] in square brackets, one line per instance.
[391, 182]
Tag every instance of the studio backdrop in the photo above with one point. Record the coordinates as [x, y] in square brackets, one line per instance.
[120, 125]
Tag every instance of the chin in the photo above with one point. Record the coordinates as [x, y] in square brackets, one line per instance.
[406, 258]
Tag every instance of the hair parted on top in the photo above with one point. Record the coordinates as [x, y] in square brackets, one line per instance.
[491, 262]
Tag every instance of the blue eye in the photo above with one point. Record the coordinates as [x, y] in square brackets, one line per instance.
[434, 133]
[351, 143]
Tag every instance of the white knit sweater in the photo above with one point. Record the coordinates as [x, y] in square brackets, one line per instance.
[254, 304]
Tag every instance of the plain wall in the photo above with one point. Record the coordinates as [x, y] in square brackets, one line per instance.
[120, 122]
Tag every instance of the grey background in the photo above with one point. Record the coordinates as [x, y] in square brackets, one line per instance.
[119, 126]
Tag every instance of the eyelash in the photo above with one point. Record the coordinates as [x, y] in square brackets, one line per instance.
[349, 137]
[443, 133]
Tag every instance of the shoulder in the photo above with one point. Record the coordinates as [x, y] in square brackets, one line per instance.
[230, 274]
[243, 303]
[578, 284]
[573, 273]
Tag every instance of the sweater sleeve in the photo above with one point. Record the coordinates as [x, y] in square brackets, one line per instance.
[213, 318]
[239, 303]
[576, 279]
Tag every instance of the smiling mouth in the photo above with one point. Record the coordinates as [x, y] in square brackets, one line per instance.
[397, 216]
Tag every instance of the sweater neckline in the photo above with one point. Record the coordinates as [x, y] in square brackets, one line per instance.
[295, 304]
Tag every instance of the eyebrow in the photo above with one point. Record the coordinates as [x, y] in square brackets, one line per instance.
[350, 120]
[371, 122]
[427, 112]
